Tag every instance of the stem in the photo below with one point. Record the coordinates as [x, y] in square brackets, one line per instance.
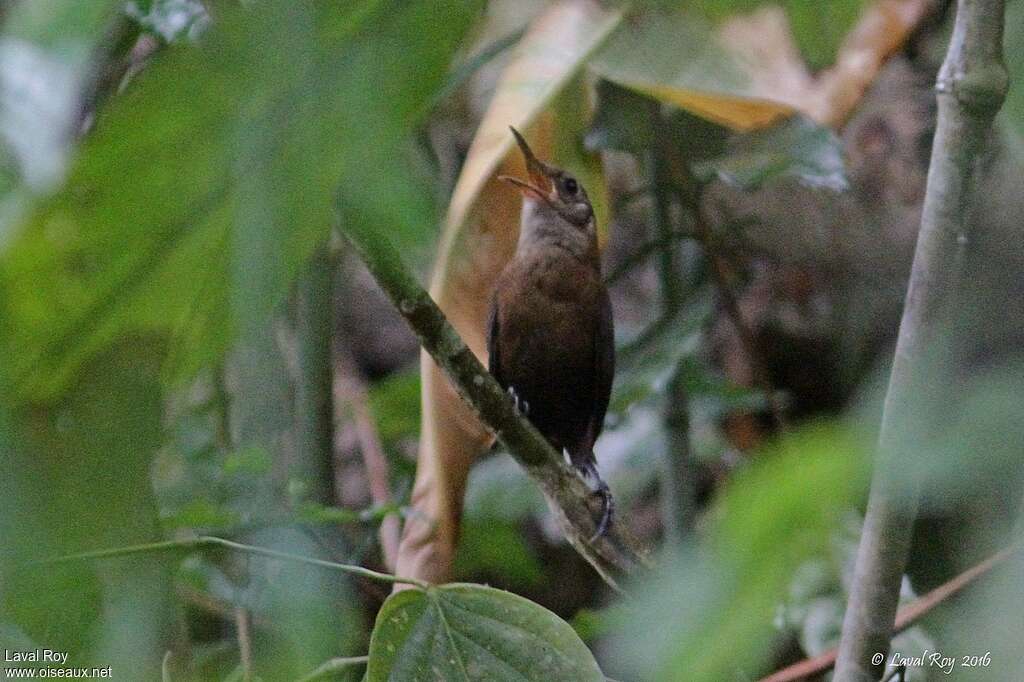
[569, 497]
[335, 665]
[211, 541]
[350, 388]
[679, 478]
[642, 252]
[690, 196]
[314, 411]
[243, 626]
[668, 272]
[971, 86]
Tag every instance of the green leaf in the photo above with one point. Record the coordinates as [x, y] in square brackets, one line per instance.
[395, 403]
[204, 187]
[795, 148]
[252, 460]
[818, 27]
[495, 547]
[676, 58]
[201, 514]
[472, 632]
[44, 54]
[772, 517]
[625, 120]
[170, 19]
[1012, 113]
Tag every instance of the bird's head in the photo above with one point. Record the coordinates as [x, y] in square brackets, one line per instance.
[553, 188]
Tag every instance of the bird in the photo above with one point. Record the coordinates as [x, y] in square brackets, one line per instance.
[550, 332]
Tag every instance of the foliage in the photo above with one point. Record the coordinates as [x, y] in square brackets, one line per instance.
[155, 214]
[472, 632]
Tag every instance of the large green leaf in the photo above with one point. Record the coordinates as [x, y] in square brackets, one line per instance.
[796, 147]
[205, 186]
[44, 58]
[774, 515]
[676, 57]
[472, 632]
[818, 27]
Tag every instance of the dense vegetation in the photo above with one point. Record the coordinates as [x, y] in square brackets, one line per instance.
[223, 450]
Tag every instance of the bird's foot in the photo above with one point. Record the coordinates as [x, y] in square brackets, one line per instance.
[522, 407]
[589, 471]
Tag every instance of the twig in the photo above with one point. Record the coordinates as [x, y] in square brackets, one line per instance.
[335, 665]
[244, 633]
[572, 502]
[971, 86]
[677, 479]
[641, 253]
[349, 387]
[211, 541]
[720, 277]
[906, 617]
[313, 456]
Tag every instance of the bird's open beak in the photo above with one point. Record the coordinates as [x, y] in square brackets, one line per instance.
[540, 185]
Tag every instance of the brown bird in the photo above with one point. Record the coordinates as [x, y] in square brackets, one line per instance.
[549, 335]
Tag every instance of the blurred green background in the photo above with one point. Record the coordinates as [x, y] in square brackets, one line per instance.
[189, 348]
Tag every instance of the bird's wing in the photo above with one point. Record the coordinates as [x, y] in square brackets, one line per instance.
[604, 365]
[493, 359]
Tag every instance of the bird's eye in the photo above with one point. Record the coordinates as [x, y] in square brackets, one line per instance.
[571, 186]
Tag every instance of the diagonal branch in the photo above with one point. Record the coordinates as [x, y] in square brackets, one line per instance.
[570, 499]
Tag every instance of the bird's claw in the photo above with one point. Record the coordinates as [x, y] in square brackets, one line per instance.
[607, 511]
[522, 407]
[589, 471]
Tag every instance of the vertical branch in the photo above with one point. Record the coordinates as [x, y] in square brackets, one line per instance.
[314, 410]
[668, 272]
[678, 474]
[679, 478]
[690, 193]
[971, 86]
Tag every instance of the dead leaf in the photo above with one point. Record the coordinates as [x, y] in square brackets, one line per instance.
[479, 236]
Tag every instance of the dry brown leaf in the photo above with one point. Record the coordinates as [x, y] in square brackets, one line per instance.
[764, 44]
[480, 233]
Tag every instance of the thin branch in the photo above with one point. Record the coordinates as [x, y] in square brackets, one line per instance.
[211, 541]
[971, 86]
[906, 617]
[244, 631]
[349, 387]
[570, 499]
[720, 276]
[313, 456]
[335, 665]
[643, 252]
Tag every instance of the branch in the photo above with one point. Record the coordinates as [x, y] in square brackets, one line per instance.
[569, 497]
[211, 541]
[906, 617]
[325, 670]
[312, 460]
[971, 86]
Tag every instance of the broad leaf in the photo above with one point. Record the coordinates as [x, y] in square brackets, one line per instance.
[471, 632]
[205, 186]
[773, 516]
[796, 148]
[817, 27]
[540, 93]
[676, 57]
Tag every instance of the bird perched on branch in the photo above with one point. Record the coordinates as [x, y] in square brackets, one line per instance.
[549, 335]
